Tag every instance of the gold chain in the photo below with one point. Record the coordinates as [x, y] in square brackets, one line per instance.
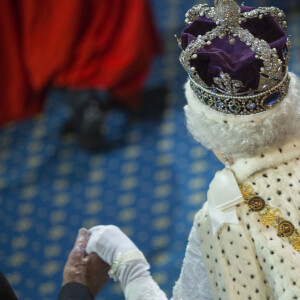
[270, 216]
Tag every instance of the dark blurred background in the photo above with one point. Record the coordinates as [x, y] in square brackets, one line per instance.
[98, 152]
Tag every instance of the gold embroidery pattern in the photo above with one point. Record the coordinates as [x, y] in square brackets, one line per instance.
[270, 216]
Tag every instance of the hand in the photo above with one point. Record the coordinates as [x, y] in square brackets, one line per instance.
[108, 241]
[90, 270]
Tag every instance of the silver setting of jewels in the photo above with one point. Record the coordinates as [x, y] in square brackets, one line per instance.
[241, 105]
[228, 17]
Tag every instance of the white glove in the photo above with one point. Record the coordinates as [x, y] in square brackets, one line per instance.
[111, 244]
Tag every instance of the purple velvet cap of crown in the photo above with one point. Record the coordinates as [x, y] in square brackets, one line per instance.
[237, 60]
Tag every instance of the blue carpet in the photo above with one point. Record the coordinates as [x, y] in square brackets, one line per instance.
[150, 184]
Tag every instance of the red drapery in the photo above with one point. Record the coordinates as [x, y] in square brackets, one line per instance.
[106, 44]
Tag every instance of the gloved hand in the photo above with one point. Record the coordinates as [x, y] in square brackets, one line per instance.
[111, 244]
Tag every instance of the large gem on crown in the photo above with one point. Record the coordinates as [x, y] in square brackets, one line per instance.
[271, 100]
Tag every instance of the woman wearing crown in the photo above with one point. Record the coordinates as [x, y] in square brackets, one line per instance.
[244, 105]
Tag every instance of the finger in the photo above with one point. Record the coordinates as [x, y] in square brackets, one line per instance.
[78, 251]
[82, 238]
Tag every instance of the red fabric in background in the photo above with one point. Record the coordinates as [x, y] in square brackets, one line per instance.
[72, 43]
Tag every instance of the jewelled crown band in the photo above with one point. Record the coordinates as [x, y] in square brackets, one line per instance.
[236, 57]
[242, 105]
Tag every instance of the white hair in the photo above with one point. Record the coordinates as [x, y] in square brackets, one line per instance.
[245, 136]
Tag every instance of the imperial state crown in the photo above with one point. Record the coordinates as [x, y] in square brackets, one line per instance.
[236, 56]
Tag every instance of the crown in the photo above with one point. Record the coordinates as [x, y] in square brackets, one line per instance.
[236, 57]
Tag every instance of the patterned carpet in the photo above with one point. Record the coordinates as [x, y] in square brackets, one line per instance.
[150, 184]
